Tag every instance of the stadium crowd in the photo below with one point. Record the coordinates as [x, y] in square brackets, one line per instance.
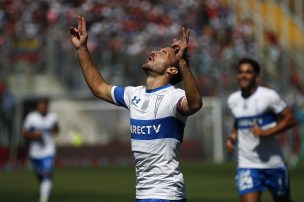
[120, 31]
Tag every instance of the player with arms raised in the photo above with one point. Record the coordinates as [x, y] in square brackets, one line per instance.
[260, 114]
[158, 113]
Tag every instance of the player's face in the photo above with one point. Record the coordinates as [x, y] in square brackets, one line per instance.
[42, 107]
[158, 61]
[246, 76]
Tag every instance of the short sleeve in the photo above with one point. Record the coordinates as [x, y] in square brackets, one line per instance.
[276, 103]
[177, 100]
[121, 96]
[118, 96]
[27, 124]
[230, 102]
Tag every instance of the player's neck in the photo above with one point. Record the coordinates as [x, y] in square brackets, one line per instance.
[247, 92]
[42, 113]
[153, 83]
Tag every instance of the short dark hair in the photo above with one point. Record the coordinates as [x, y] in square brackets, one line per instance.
[176, 78]
[43, 99]
[252, 62]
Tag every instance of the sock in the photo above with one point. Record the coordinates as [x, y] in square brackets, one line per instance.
[45, 189]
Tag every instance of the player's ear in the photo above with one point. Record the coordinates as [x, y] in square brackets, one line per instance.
[172, 70]
[174, 75]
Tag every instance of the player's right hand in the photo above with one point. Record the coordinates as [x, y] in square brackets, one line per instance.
[181, 46]
[79, 34]
[37, 134]
[230, 144]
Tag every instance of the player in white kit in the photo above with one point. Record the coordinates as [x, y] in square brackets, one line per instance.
[39, 128]
[259, 114]
[158, 113]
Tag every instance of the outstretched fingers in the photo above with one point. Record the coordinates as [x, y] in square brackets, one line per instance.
[79, 33]
[79, 24]
[83, 24]
[186, 34]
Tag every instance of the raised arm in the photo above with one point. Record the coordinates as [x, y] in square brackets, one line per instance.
[193, 101]
[99, 87]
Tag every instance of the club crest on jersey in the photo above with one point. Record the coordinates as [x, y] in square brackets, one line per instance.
[135, 100]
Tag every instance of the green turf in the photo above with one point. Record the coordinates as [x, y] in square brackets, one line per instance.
[204, 182]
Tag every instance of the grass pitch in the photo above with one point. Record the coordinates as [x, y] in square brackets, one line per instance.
[204, 182]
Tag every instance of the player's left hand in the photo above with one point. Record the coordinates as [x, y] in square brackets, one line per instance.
[257, 131]
[181, 46]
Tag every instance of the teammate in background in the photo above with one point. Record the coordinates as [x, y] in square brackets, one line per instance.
[260, 114]
[39, 128]
[158, 113]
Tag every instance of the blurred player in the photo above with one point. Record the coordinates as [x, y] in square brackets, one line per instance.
[39, 127]
[260, 114]
[158, 113]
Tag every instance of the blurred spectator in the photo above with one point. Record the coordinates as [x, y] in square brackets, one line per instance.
[119, 29]
[7, 109]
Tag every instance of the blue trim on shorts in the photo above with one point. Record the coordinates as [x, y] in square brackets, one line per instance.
[276, 180]
[43, 165]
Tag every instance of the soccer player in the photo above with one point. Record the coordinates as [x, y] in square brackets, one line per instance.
[260, 114]
[158, 113]
[39, 128]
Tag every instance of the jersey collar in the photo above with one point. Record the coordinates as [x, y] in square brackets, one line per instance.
[250, 94]
[159, 88]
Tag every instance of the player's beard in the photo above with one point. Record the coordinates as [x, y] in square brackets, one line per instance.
[149, 72]
[151, 69]
[248, 89]
[246, 83]
[145, 66]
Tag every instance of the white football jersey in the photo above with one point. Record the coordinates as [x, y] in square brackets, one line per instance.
[157, 130]
[45, 146]
[261, 108]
